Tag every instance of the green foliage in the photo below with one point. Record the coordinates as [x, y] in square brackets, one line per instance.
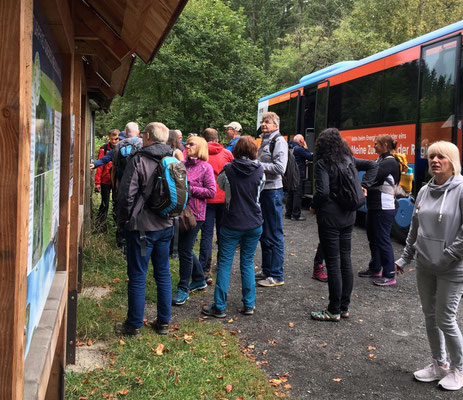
[206, 74]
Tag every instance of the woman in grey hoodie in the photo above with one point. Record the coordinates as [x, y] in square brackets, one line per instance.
[436, 240]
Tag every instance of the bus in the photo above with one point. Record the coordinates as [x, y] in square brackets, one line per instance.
[410, 91]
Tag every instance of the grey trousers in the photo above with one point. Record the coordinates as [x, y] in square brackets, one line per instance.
[440, 299]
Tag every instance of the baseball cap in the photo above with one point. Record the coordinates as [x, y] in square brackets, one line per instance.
[235, 125]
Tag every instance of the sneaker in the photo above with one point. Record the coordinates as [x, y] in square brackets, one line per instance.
[298, 219]
[247, 310]
[209, 280]
[180, 297]
[270, 282]
[433, 372]
[452, 381]
[123, 328]
[161, 328]
[260, 276]
[319, 273]
[367, 273]
[197, 285]
[213, 311]
[384, 281]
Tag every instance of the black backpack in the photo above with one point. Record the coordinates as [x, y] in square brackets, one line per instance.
[347, 190]
[291, 178]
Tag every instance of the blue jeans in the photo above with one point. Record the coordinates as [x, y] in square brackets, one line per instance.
[272, 241]
[229, 239]
[214, 212]
[379, 225]
[189, 263]
[157, 248]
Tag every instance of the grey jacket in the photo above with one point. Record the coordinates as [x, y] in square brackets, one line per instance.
[274, 164]
[436, 231]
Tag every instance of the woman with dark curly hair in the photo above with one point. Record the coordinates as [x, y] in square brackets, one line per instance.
[335, 224]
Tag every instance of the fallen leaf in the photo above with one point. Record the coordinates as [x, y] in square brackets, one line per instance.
[223, 344]
[324, 344]
[219, 377]
[116, 280]
[89, 342]
[124, 392]
[337, 379]
[83, 397]
[291, 324]
[287, 386]
[159, 349]
[176, 380]
[371, 348]
[121, 342]
[251, 346]
[139, 380]
[228, 388]
[239, 398]
[371, 355]
[411, 269]
[230, 320]
[79, 343]
[275, 382]
[292, 254]
[281, 395]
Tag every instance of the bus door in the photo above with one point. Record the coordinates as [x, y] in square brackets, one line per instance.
[307, 121]
[438, 101]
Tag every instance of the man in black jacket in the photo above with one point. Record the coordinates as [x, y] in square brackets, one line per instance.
[147, 234]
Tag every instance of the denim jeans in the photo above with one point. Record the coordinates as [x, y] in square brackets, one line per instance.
[272, 240]
[157, 248]
[336, 246]
[379, 225]
[229, 239]
[214, 213]
[189, 263]
[440, 299]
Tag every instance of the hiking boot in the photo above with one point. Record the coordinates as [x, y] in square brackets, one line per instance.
[213, 311]
[209, 280]
[123, 328]
[384, 281]
[247, 310]
[270, 282]
[197, 285]
[433, 372]
[452, 381]
[161, 328]
[180, 297]
[298, 219]
[319, 273]
[367, 273]
[260, 276]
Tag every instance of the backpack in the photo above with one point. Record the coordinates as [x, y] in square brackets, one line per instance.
[347, 190]
[291, 177]
[126, 150]
[170, 191]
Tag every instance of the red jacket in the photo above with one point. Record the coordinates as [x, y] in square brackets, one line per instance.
[103, 174]
[218, 157]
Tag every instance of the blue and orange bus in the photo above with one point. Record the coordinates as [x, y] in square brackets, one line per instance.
[411, 92]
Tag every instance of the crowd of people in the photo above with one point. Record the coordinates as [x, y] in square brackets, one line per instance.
[238, 190]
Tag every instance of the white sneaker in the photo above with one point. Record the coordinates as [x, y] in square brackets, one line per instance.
[433, 372]
[453, 380]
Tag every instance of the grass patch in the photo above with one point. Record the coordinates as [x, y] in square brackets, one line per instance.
[200, 360]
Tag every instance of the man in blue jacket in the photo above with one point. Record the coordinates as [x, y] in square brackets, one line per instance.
[302, 155]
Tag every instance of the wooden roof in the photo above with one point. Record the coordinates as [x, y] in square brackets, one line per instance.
[109, 33]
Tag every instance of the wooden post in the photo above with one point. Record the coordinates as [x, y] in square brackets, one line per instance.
[15, 114]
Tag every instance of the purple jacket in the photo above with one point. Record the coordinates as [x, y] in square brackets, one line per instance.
[202, 185]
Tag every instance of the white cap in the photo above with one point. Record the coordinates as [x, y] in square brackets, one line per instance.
[234, 125]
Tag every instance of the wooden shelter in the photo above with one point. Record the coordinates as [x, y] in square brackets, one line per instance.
[60, 59]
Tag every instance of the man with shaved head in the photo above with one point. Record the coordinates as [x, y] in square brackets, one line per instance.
[302, 155]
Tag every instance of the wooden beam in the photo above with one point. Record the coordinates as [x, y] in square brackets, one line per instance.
[15, 115]
[96, 27]
[58, 16]
[136, 10]
[97, 49]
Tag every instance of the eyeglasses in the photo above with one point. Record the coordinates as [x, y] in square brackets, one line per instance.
[267, 122]
[190, 144]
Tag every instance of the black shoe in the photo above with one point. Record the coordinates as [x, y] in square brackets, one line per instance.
[213, 311]
[209, 280]
[123, 328]
[298, 219]
[161, 328]
[247, 310]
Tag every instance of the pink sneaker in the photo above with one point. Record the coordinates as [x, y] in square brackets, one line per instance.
[433, 372]
[319, 273]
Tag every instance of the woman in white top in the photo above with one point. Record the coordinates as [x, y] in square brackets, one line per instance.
[176, 145]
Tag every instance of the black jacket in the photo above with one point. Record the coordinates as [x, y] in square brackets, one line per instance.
[328, 211]
[136, 186]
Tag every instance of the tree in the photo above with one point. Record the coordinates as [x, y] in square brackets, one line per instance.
[206, 74]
